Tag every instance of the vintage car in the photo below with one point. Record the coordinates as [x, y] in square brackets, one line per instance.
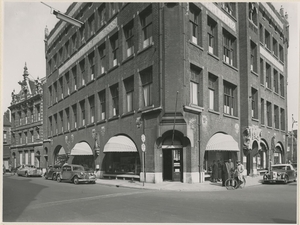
[51, 172]
[280, 173]
[29, 170]
[76, 174]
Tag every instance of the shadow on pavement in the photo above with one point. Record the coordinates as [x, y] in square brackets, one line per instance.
[16, 196]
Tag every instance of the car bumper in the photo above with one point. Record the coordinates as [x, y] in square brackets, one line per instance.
[87, 180]
[273, 180]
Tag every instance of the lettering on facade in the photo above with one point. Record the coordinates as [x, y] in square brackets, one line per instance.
[251, 134]
[221, 15]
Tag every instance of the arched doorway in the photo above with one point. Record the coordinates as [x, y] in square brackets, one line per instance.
[278, 154]
[82, 154]
[60, 156]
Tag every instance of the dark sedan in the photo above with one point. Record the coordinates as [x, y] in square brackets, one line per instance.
[51, 173]
[280, 173]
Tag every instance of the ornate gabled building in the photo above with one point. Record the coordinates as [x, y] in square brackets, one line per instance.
[27, 123]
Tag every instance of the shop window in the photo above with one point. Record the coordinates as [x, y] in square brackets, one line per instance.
[123, 162]
[146, 78]
[195, 24]
[212, 31]
[129, 41]
[146, 26]
[213, 91]
[262, 111]
[129, 87]
[114, 90]
[269, 114]
[230, 99]
[229, 48]
[114, 50]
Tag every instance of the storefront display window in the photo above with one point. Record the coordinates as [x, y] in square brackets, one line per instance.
[123, 162]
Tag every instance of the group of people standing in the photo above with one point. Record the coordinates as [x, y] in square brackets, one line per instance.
[221, 170]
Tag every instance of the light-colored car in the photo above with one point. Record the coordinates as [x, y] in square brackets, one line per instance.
[76, 174]
[280, 173]
[29, 170]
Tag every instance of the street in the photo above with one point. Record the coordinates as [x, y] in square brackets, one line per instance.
[35, 199]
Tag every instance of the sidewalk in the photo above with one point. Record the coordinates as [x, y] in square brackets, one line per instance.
[175, 186]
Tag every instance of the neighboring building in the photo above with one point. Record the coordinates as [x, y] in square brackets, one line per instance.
[27, 123]
[6, 139]
[190, 76]
[292, 146]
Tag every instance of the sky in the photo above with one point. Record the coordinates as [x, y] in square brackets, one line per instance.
[23, 29]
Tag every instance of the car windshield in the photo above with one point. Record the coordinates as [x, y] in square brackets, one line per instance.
[279, 167]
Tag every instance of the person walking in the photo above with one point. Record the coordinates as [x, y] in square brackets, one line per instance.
[214, 171]
[219, 170]
[239, 172]
[225, 173]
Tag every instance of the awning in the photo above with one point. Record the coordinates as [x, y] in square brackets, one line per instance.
[120, 143]
[222, 142]
[81, 148]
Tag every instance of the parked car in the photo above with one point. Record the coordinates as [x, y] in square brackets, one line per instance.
[280, 173]
[76, 174]
[29, 170]
[51, 172]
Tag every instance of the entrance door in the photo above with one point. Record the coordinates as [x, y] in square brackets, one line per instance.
[172, 164]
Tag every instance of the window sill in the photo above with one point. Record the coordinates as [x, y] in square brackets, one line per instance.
[114, 118]
[277, 129]
[81, 87]
[82, 127]
[150, 109]
[101, 121]
[128, 114]
[213, 111]
[230, 116]
[128, 59]
[267, 126]
[113, 68]
[214, 56]
[255, 119]
[232, 67]
[255, 73]
[268, 89]
[196, 45]
[193, 109]
[74, 129]
[90, 124]
[146, 48]
[101, 75]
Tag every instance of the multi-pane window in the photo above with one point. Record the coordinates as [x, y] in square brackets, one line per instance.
[267, 40]
[32, 137]
[82, 111]
[281, 56]
[261, 33]
[101, 15]
[229, 48]
[252, 13]
[26, 116]
[268, 76]
[101, 51]
[55, 92]
[50, 129]
[55, 124]
[230, 99]
[82, 34]
[91, 26]
[129, 87]
[282, 119]
[146, 78]
[38, 112]
[82, 70]
[67, 49]
[194, 85]
[262, 111]
[114, 50]
[195, 24]
[91, 66]
[253, 63]
[129, 42]
[74, 109]
[68, 118]
[146, 25]
[275, 47]
[60, 54]
[212, 34]
[74, 42]
[275, 76]
[114, 90]
[74, 73]
[213, 92]
[61, 85]
[276, 116]
[269, 114]
[26, 137]
[67, 77]
[20, 138]
[92, 108]
[261, 66]
[254, 103]
[282, 85]
[102, 105]
[61, 123]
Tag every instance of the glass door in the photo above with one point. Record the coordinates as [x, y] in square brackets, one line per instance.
[177, 165]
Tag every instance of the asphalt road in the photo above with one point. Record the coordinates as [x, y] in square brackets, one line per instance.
[40, 200]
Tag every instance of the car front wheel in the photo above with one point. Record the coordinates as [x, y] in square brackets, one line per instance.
[26, 174]
[76, 180]
[58, 179]
[286, 179]
[54, 177]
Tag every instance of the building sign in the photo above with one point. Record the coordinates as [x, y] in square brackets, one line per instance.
[251, 134]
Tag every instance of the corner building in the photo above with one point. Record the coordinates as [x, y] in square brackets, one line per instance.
[171, 71]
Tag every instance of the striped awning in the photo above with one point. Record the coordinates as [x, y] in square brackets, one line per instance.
[81, 148]
[120, 143]
[222, 142]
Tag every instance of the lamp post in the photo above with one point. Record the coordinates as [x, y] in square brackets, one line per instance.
[292, 147]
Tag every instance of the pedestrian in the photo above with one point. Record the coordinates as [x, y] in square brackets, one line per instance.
[239, 172]
[225, 174]
[214, 171]
[219, 170]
